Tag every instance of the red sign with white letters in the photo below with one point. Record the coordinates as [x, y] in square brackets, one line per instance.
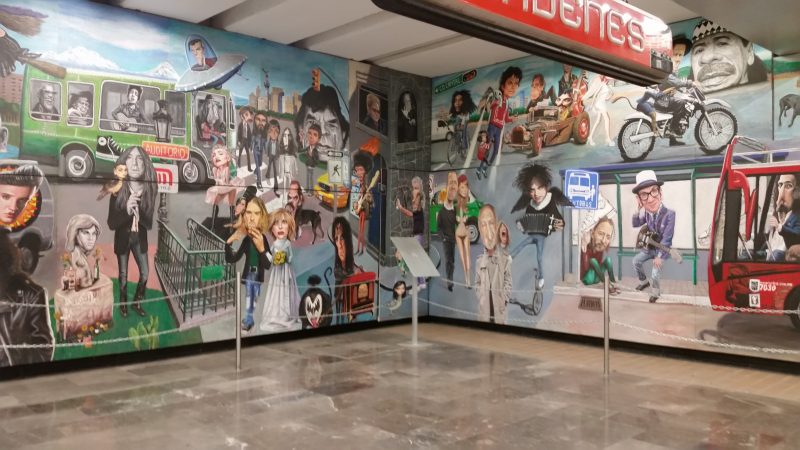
[605, 36]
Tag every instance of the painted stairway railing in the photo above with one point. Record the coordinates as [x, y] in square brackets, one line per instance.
[196, 278]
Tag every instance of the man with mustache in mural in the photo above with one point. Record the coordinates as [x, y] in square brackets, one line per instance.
[446, 223]
[595, 262]
[650, 211]
[46, 108]
[721, 59]
[660, 97]
[783, 224]
[259, 143]
[492, 270]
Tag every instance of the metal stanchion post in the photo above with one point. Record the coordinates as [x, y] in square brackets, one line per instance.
[606, 322]
[414, 309]
[238, 321]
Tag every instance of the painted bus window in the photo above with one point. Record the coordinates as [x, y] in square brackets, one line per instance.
[128, 107]
[176, 102]
[80, 105]
[46, 100]
[775, 229]
[210, 119]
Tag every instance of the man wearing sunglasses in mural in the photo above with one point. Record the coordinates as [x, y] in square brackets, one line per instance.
[651, 212]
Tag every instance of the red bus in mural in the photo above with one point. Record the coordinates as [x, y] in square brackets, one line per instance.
[754, 262]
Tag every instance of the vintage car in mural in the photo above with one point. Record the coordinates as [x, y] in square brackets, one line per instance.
[100, 114]
[473, 207]
[441, 130]
[755, 242]
[549, 125]
[324, 192]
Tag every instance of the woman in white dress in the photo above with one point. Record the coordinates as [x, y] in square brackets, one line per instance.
[282, 298]
[597, 94]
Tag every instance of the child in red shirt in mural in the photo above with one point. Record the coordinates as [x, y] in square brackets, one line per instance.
[509, 83]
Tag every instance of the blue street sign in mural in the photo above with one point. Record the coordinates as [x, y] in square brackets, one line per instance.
[581, 187]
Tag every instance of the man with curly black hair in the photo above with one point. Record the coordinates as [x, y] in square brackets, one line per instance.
[541, 202]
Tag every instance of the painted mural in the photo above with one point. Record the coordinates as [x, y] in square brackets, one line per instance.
[144, 161]
[516, 250]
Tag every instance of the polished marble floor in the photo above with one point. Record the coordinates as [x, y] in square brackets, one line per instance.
[465, 389]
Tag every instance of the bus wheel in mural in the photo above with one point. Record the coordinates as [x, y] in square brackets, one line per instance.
[78, 164]
[715, 129]
[580, 128]
[635, 140]
[472, 229]
[193, 171]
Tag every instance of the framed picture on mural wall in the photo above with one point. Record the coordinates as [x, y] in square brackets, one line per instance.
[406, 118]
[373, 113]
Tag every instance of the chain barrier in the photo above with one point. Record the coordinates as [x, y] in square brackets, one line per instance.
[779, 351]
[712, 307]
[93, 343]
[511, 320]
[143, 301]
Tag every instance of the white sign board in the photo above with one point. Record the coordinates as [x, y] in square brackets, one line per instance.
[415, 257]
[167, 178]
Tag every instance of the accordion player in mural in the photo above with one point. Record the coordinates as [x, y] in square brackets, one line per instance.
[542, 216]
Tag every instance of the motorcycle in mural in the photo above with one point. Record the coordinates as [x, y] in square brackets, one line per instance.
[715, 127]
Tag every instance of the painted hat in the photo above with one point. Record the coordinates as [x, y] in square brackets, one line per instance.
[645, 179]
[706, 28]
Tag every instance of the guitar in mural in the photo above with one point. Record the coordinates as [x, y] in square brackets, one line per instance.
[124, 123]
[650, 240]
[363, 198]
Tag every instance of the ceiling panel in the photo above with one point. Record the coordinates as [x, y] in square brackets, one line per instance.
[376, 38]
[288, 21]
[453, 56]
[774, 26]
[188, 10]
[666, 10]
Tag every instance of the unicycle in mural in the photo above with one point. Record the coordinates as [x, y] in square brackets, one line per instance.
[535, 307]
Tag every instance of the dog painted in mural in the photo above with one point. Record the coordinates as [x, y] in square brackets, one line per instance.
[787, 102]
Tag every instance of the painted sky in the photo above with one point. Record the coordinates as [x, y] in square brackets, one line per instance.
[118, 39]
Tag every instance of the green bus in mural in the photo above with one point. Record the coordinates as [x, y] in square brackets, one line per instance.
[83, 122]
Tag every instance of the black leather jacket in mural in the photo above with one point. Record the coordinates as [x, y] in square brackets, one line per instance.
[23, 321]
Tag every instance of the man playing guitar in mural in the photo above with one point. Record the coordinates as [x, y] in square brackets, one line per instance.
[127, 115]
[363, 206]
[660, 222]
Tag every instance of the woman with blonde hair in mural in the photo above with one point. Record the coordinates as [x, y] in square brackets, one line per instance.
[462, 234]
[223, 172]
[82, 233]
[283, 297]
[416, 213]
[255, 250]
